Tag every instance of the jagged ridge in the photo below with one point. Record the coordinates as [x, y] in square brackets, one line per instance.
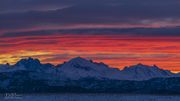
[81, 75]
[78, 68]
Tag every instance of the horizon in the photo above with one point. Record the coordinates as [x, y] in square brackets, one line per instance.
[27, 58]
[117, 32]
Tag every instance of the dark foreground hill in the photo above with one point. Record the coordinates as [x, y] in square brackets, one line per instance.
[89, 85]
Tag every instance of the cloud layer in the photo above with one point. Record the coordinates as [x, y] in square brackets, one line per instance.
[117, 32]
[23, 15]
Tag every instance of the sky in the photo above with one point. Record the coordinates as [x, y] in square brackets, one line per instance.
[117, 32]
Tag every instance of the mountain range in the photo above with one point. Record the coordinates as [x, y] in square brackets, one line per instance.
[79, 74]
[78, 68]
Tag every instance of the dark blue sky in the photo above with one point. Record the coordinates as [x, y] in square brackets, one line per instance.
[35, 15]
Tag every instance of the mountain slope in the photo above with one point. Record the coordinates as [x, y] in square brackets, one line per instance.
[81, 75]
[80, 68]
[144, 72]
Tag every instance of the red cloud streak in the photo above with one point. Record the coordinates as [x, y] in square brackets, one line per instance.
[115, 50]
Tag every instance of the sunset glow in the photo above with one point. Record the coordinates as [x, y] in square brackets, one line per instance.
[114, 50]
[117, 32]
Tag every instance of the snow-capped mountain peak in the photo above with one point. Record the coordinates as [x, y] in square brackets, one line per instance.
[80, 68]
[78, 62]
[141, 67]
[28, 61]
[141, 72]
[78, 59]
[81, 63]
[29, 64]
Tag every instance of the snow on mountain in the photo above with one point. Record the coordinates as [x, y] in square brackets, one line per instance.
[177, 75]
[144, 72]
[10, 68]
[80, 68]
[33, 68]
[29, 64]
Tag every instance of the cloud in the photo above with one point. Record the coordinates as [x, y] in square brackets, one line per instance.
[89, 14]
[10, 6]
[26, 5]
[134, 32]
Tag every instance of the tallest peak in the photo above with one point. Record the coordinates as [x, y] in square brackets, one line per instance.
[140, 64]
[78, 59]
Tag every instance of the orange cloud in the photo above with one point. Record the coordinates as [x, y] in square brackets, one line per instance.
[115, 50]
